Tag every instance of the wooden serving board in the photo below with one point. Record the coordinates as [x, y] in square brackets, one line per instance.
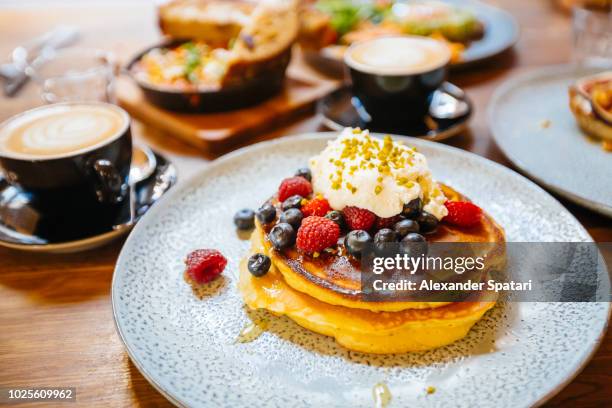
[216, 131]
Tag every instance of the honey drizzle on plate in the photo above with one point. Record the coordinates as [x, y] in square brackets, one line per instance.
[381, 395]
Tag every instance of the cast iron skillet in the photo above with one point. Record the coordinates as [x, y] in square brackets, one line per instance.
[253, 89]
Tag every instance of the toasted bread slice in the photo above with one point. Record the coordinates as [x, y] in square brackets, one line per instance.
[217, 22]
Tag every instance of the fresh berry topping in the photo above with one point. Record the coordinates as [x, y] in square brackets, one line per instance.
[304, 172]
[462, 213]
[259, 264]
[404, 227]
[282, 236]
[317, 233]
[384, 239]
[292, 186]
[204, 265]
[413, 245]
[266, 213]
[244, 219]
[317, 206]
[292, 216]
[358, 218]
[356, 241]
[388, 222]
[413, 208]
[337, 217]
[427, 222]
[295, 201]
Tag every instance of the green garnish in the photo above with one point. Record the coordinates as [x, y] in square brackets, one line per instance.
[346, 14]
[193, 61]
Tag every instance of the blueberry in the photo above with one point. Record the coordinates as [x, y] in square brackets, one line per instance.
[282, 235]
[384, 239]
[259, 264]
[413, 208]
[337, 217]
[244, 219]
[356, 241]
[413, 244]
[304, 172]
[292, 216]
[266, 213]
[403, 227]
[295, 201]
[427, 222]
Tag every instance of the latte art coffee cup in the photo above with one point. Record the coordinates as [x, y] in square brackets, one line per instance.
[398, 55]
[73, 160]
[394, 78]
[61, 129]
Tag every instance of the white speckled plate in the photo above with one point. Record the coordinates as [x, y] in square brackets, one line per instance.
[559, 157]
[517, 355]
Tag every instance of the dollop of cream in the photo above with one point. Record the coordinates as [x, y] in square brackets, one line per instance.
[360, 170]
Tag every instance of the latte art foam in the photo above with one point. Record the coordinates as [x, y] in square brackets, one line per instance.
[398, 55]
[60, 129]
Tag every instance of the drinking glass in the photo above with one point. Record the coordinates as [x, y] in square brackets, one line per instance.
[592, 29]
[75, 75]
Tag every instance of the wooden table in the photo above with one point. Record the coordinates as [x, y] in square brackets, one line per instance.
[56, 325]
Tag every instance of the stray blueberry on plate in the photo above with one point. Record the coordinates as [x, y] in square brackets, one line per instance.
[384, 239]
[259, 265]
[427, 222]
[282, 235]
[413, 208]
[292, 216]
[295, 201]
[304, 172]
[404, 227]
[356, 241]
[245, 219]
[337, 217]
[266, 213]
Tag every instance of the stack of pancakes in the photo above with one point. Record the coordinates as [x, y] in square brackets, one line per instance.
[324, 295]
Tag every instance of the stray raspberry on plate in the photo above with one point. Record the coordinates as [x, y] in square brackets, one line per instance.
[204, 265]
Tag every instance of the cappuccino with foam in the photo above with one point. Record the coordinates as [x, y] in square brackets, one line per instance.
[61, 130]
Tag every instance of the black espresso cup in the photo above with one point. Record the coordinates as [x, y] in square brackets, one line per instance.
[73, 161]
[394, 78]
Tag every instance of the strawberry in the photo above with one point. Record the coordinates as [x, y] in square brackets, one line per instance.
[358, 218]
[294, 186]
[462, 213]
[204, 265]
[317, 206]
[316, 234]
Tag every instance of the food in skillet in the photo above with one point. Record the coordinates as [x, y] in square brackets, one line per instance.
[327, 23]
[226, 43]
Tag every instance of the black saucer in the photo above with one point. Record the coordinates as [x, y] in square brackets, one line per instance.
[341, 109]
[24, 227]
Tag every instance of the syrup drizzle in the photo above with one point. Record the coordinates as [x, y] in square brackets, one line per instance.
[252, 331]
[381, 394]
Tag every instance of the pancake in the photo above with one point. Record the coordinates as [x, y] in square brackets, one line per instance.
[336, 278]
[358, 329]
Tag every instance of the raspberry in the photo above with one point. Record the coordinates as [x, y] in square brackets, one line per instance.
[317, 206]
[462, 213]
[316, 234]
[292, 186]
[387, 222]
[358, 218]
[204, 265]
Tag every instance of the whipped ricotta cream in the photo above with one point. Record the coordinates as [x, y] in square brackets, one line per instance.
[359, 170]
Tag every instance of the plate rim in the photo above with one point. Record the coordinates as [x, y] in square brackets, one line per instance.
[493, 107]
[198, 175]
